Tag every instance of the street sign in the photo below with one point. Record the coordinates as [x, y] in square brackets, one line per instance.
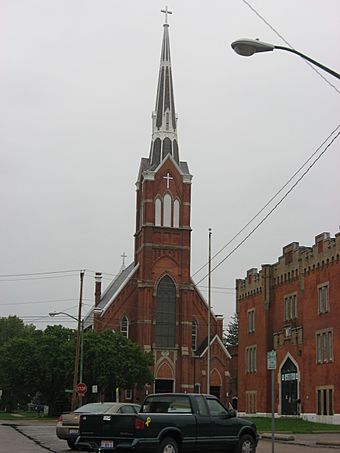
[271, 360]
[94, 388]
[81, 389]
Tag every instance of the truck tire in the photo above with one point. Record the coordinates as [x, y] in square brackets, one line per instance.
[246, 444]
[168, 445]
[71, 444]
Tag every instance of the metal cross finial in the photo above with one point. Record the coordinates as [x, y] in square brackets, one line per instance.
[123, 256]
[166, 13]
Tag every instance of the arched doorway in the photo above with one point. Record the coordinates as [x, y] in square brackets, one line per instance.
[164, 382]
[289, 388]
[215, 383]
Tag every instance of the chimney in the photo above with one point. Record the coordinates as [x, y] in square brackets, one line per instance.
[98, 288]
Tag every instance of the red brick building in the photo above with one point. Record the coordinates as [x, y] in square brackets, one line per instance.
[154, 301]
[293, 308]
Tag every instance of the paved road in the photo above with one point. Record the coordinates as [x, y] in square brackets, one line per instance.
[41, 438]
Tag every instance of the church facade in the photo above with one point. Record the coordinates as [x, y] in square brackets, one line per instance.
[154, 301]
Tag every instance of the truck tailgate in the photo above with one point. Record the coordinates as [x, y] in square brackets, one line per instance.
[107, 426]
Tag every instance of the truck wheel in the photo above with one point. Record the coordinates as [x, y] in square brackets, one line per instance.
[246, 444]
[71, 444]
[168, 445]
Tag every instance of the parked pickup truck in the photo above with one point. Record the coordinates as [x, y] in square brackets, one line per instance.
[170, 423]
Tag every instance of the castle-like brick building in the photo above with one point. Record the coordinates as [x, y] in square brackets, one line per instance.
[292, 307]
[154, 301]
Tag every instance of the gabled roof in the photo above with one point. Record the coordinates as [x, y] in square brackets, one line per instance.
[111, 292]
[203, 347]
[116, 286]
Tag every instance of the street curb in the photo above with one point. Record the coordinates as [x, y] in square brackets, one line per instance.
[334, 443]
[284, 437]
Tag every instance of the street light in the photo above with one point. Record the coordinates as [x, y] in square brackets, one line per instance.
[247, 47]
[79, 354]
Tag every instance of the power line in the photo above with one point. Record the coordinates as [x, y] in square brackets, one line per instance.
[38, 273]
[274, 208]
[40, 301]
[289, 45]
[271, 199]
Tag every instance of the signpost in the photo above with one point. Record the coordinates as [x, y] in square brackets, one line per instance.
[81, 389]
[271, 365]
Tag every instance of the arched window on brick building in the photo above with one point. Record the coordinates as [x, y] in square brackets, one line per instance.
[165, 334]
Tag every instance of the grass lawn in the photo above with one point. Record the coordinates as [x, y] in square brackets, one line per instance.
[290, 425]
[22, 415]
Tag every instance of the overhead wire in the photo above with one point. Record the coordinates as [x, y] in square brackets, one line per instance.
[289, 45]
[272, 198]
[273, 209]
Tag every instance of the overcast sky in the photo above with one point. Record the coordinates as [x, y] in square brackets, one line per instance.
[77, 88]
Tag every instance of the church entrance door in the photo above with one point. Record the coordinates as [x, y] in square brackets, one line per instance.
[214, 390]
[289, 378]
[164, 386]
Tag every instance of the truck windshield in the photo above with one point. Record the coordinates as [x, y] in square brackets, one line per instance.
[166, 404]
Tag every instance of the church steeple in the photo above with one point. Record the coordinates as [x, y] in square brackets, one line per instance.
[164, 120]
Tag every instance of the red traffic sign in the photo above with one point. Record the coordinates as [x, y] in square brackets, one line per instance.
[81, 389]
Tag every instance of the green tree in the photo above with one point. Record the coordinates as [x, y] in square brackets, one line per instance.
[37, 362]
[41, 363]
[231, 332]
[13, 327]
[112, 360]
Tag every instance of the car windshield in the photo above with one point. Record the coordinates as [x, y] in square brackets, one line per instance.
[98, 408]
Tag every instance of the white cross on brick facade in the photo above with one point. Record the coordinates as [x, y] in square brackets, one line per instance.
[168, 177]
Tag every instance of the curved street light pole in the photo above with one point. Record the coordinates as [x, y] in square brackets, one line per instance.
[79, 359]
[247, 47]
[78, 370]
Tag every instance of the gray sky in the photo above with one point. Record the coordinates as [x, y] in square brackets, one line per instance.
[77, 89]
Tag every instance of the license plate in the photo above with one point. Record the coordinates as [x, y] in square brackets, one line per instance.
[73, 431]
[106, 444]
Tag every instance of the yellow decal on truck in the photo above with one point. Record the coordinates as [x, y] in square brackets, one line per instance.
[148, 421]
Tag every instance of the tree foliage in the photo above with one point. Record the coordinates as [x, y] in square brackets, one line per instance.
[40, 362]
[231, 332]
[112, 360]
[13, 327]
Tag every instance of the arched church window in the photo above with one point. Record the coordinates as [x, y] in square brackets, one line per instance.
[167, 210]
[156, 155]
[175, 151]
[194, 329]
[176, 213]
[167, 147]
[165, 330]
[158, 212]
[124, 326]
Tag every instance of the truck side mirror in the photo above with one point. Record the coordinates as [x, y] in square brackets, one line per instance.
[232, 413]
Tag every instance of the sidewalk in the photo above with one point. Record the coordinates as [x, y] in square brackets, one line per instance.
[311, 440]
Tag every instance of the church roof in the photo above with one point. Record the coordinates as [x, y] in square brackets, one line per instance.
[116, 284]
[111, 292]
[203, 347]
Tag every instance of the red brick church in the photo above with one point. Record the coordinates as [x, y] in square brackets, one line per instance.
[154, 301]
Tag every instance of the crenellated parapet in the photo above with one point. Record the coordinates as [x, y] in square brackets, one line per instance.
[295, 262]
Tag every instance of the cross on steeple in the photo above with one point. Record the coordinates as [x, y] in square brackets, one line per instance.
[166, 12]
[123, 256]
[168, 177]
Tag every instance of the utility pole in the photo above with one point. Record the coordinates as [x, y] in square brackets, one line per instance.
[79, 335]
[209, 310]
